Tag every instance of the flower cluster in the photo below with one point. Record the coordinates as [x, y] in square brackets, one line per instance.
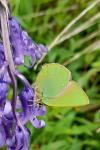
[25, 45]
[13, 132]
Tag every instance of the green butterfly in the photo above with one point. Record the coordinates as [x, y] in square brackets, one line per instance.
[57, 89]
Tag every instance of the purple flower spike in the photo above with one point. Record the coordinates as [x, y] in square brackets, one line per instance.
[22, 107]
[23, 45]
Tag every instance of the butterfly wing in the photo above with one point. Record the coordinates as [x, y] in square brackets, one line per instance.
[54, 82]
[52, 79]
[72, 96]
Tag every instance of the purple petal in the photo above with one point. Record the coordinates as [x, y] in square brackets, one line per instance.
[43, 48]
[37, 123]
[2, 136]
[7, 108]
[3, 92]
[39, 110]
[2, 59]
[19, 141]
[26, 97]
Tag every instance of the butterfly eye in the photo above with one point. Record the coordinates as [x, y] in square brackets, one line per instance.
[40, 104]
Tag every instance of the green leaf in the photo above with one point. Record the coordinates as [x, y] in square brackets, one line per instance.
[54, 83]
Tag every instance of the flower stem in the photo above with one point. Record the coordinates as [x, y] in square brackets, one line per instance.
[7, 52]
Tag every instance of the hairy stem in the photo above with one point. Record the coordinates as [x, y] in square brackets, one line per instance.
[7, 52]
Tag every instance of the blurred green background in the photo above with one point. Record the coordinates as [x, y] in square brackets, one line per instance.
[66, 129]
